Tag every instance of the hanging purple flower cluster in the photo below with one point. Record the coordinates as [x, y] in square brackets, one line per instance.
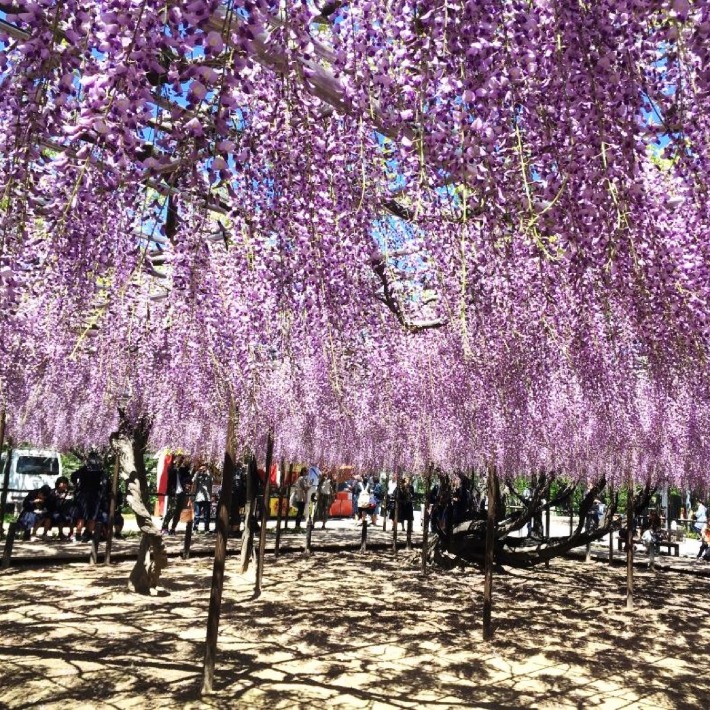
[393, 232]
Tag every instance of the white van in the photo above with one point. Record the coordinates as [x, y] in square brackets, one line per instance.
[30, 469]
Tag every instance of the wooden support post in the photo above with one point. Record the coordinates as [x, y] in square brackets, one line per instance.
[288, 494]
[547, 523]
[9, 542]
[264, 514]
[5, 487]
[220, 553]
[363, 536]
[409, 534]
[112, 509]
[95, 543]
[395, 521]
[489, 555]
[279, 511]
[630, 546]
[188, 541]
[611, 530]
[425, 521]
[571, 512]
[309, 533]
[249, 516]
[387, 501]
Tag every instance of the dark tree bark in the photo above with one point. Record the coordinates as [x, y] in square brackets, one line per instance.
[220, 553]
[250, 515]
[466, 543]
[489, 552]
[129, 443]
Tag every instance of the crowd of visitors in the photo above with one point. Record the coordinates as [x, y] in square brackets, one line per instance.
[75, 505]
[72, 507]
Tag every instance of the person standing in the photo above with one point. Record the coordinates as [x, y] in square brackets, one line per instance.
[298, 496]
[89, 483]
[651, 537]
[179, 479]
[324, 499]
[202, 486]
[704, 551]
[700, 517]
[356, 487]
[314, 476]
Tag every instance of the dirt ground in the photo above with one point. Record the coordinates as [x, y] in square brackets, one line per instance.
[350, 630]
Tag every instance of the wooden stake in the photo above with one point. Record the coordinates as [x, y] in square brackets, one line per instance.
[547, 522]
[188, 540]
[220, 553]
[264, 515]
[250, 515]
[95, 543]
[611, 531]
[5, 484]
[630, 547]
[112, 509]
[288, 494]
[309, 533]
[387, 500]
[395, 522]
[489, 556]
[279, 512]
[425, 521]
[9, 542]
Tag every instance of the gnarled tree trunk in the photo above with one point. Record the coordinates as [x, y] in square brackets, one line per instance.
[129, 444]
[467, 541]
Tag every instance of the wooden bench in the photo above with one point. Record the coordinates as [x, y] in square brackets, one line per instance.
[668, 544]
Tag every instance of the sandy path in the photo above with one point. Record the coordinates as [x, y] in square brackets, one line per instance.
[351, 630]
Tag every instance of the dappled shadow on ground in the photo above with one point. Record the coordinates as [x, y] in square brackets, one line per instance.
[356, 630]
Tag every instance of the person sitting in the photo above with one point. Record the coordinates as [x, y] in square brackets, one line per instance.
[58, 507]
[34, 513]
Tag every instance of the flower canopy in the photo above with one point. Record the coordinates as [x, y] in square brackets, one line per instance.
[394, 232]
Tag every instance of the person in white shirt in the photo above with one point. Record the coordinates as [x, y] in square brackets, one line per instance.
[700, 517]
[313, 481]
